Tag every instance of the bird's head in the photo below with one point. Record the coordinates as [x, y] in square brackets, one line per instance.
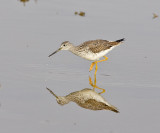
[62, 100]
[64, 46]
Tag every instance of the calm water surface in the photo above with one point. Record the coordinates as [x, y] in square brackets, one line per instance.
[32, 30]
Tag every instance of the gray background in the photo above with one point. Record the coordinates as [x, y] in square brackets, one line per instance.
[131, 76]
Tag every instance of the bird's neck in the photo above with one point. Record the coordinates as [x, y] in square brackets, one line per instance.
[73, 49]
[63, 100]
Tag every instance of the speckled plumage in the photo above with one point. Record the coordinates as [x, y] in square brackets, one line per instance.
[86, 98]
[97, 46]
[90, 50]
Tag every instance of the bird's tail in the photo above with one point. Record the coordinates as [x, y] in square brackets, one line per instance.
[112, 108]
[117, 42]
[120, 40]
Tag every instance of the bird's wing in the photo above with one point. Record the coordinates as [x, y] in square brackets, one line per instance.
[101, 105]
[93, 102]
[97, 46]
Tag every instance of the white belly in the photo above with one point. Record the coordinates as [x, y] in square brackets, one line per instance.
[95, 56]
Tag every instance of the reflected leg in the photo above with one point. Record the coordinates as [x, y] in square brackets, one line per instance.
[91, 83]
[94, 85]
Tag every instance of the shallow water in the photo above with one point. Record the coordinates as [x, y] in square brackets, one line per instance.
[31, 31]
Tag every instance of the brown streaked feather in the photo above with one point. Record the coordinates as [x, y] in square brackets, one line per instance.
[95, 105]
[97, 46]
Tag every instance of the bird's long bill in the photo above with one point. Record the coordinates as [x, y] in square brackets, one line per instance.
[52, 92]
[55, 52]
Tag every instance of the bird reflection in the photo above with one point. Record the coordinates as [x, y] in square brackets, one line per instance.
[24, 1]
[86, 98]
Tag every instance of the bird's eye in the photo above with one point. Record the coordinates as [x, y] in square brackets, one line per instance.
[64, 45]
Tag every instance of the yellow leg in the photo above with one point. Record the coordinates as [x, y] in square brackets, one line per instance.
[91, 66]
[93, 63]
[106, 58]
[90, 81]
[103, 90]
[96, 68]
[94, 85]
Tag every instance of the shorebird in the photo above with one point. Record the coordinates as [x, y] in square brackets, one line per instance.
[85, 98]
[91, 50]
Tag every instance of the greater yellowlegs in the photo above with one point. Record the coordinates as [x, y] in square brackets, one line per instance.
[91, 50]
[86, 98]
